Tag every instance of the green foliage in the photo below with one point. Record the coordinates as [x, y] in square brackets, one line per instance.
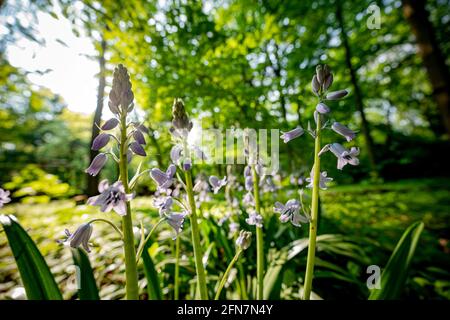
[243, 64]
[153, 285]
[33, 184]
[368, 236]
[87, 288]
[36, 276]
[395, 273]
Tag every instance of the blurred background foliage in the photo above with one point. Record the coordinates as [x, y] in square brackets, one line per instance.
[238, 64]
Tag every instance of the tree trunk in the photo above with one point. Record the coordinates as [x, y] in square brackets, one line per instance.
[357, 91]
[92, 182]
[418, 17]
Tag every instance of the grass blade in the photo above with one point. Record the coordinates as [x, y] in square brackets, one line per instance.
[37, 279]
[153, 285]
[394, 276]
[87, 287]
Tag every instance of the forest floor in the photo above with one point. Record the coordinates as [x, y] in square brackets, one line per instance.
[376, 214]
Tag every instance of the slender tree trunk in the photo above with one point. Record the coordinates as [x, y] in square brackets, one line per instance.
[357, 90]
[433, 59]
[92, 182]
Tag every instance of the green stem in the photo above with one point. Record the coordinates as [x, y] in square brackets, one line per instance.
[132, 289]
[259, 240]
[242, 283]
[142, 244]
[177, 269]
[314, 216]
[227, 272]
[110, 223]
[201, 277]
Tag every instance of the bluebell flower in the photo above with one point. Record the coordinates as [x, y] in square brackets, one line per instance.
[322, 108]
[290, 135]
[80, 237]
[137, 149]
[343, 131]
[336, 95]
[111, 198]
[97, 164]
[322, 79]
[100, 141]
[139, 137]
[110, 124]
[255, 219]
[121, 96]
[187, 164]
[164, 204]
[233, 228]
[201, 188]
[181, 124]
[290, 212]
[328, 82]
[244, 240]
[249, 183]
[322, 182]
[343, 155]
[217, 184]
[175, 153]
[322, 72]
[176, 221]
[4, 197]
[141, 127]
[247, 171]
[163, 179]
[315, 86]
[248, 199]
[259, 168]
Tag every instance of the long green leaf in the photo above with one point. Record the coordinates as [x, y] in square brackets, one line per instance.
[87, 288]
[394, 276]
[274, 277]
[153, 285]
[326, 242]
[36, 277]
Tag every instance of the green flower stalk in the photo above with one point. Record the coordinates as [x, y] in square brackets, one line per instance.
[226, 274]
[201, 276]
[242, 243]
[251, 174]
[121, 86]
[259, 240]
[252, 171]
[130, 140]
[314, 215]
[177, 270]
[321, 81]
[181, 156]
